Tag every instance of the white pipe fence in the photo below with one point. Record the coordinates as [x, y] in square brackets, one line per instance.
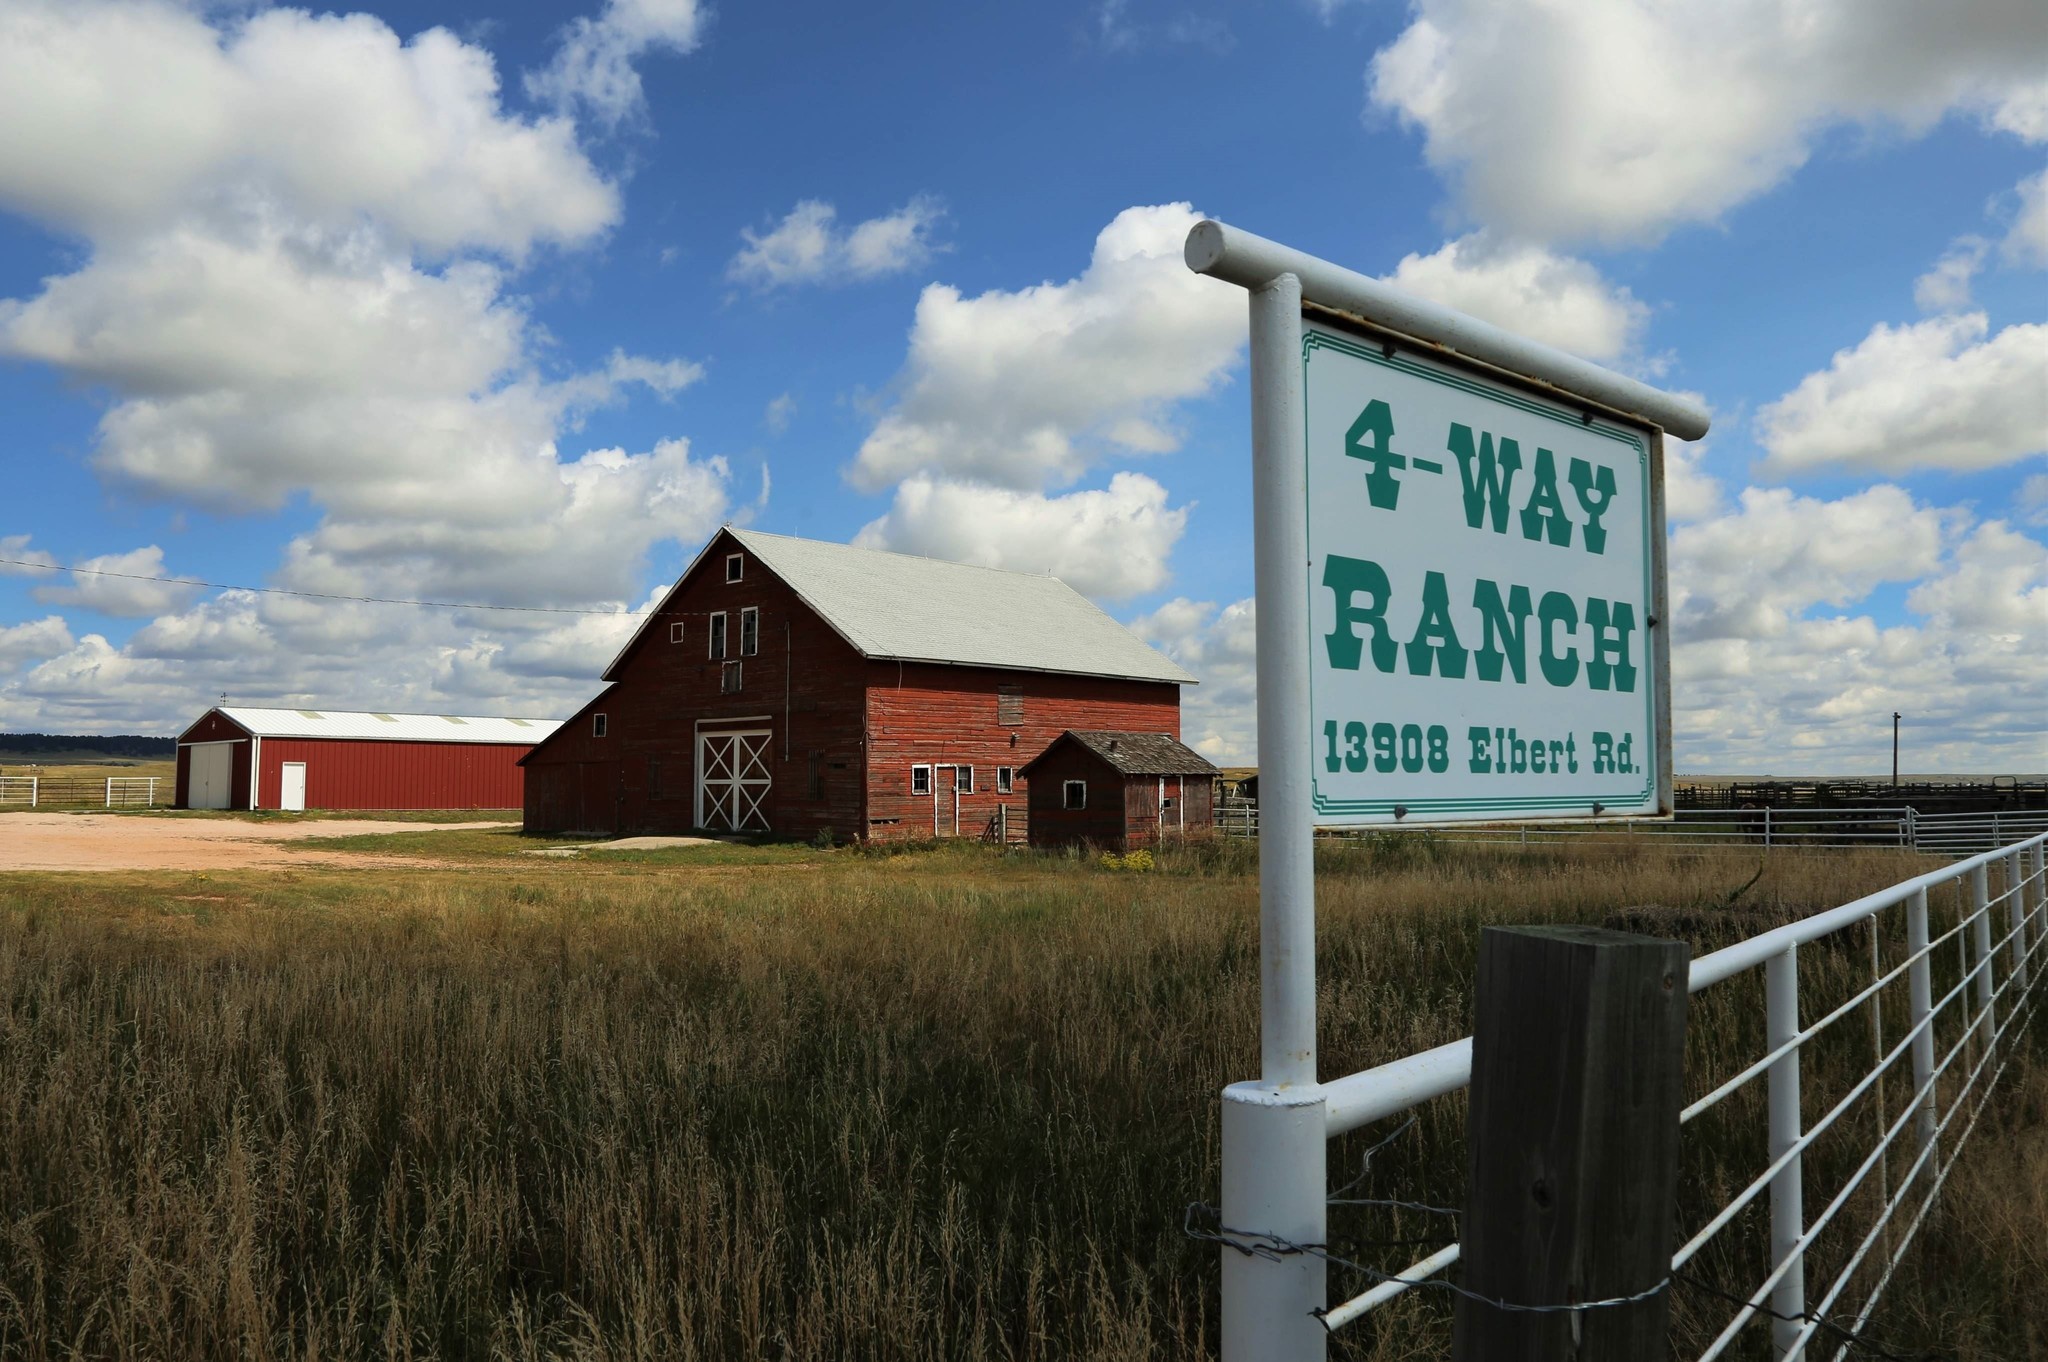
[18, 790]
[1998, 942]
[1952, 834]
[129, 792]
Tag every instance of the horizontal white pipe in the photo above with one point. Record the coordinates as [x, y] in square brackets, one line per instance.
[1239, 257]
[1342, 1315]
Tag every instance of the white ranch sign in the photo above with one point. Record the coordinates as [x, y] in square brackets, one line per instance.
[1483, 584]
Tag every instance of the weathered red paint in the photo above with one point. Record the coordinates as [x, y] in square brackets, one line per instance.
[1123, 813]
[845, 731]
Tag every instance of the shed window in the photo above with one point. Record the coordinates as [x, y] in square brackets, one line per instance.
[920, 780]
[597, 725]
[963, 779]
[1005, 778]
[675, 632]
[1009, 706]
[1074, 794]
[717, 635]
[729, 678]
[735, 567]
[817, 781]
[750, 631]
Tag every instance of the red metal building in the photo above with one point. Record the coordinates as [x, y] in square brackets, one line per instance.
[243, 758]
[1119, 791]
[790, 686]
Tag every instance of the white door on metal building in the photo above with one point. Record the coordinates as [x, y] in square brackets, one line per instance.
[292, 796]
[732, 780]
[210, 779]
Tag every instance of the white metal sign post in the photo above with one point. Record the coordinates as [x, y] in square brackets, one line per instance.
[1460, 617]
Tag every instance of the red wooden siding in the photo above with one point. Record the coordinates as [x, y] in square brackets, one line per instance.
[922, 714]
[344, 773]
[858, 725]
[1101, 824]
[803, 685]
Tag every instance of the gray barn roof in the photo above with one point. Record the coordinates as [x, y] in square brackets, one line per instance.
[1134, 754]
[902, 608]
[335, 723]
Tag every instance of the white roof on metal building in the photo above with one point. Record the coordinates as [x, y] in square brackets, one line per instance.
[330, 723]
[904, 608]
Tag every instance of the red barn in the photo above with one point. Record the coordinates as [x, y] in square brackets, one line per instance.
[1119, 791]
[790, 686]
[243, 758]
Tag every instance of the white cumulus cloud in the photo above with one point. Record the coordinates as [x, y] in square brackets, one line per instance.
[594, 66]
[1113, 542]
[809, 246]
[1619, 119]
[1937, 394]
[1527, 289]
[1219, 647]
[1025, 389]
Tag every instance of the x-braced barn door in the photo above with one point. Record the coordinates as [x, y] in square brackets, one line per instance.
[733, 779]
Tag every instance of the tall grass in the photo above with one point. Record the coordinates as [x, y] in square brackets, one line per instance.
[948, 1104]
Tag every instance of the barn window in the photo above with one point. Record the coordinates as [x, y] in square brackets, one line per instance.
[963, 779]
[597, 725]
[729, 679]
[717, 635]
[750, 631]
[1006, 777]
[1009, 706]
[817, 786]
[675, 632]
[920, 780]
[735, 567]
[1074, 794]
[654, 790]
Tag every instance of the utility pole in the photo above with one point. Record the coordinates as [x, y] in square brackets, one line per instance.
[1895, 749]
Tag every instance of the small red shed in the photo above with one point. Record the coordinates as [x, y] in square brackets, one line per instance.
[239, 757]
[1118, 790]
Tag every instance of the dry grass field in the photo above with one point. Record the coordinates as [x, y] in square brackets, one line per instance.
[797, 1104]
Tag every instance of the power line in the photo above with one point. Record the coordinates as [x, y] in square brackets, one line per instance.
[310, 595]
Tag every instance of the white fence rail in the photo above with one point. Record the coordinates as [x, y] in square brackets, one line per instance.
[1954, 1046]
[131, 792]
[1944, 834]
[18, 790]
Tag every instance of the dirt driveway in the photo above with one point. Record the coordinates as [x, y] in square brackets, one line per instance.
[68, 841]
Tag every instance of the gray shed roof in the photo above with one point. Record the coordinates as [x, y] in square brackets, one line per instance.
[904, 608]
[1135, 754]
[333, 723]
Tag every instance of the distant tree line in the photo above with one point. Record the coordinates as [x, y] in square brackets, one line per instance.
[31, 745]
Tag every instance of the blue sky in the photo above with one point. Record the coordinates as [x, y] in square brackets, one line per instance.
[514, 304]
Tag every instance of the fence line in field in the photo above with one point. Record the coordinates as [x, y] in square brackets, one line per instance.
[1998, 989]
[106, 792]
[1943, 833]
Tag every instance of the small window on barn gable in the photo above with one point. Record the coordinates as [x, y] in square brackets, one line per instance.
[729, 679]
[735, 567]
[597, 725]
[750, 631]
[920, 780]
[1009, 706]
[1006, 779]
[675, 632]
[1074, 794]
[717, 635]
[963, 779]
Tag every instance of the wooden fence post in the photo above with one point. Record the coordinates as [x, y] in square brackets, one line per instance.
[1578, 1059]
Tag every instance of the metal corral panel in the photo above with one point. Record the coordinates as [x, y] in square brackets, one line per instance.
[354, 774]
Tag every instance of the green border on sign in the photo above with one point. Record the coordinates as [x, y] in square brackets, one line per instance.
[1314, 339]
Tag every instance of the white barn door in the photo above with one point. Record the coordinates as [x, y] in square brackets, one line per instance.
[733, 779]
[210, 779]
[293, 795]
